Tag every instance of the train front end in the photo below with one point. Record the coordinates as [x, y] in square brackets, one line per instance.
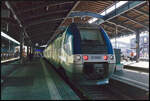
[96, 60]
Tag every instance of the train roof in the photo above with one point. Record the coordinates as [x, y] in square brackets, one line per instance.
[85, 25]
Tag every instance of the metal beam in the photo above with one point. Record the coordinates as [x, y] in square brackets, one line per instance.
[10, 20]
[21, 46]
[147, 2]
[36, 40]
[13, 12]
[100, 2]
[41, 29]
[40, 35]
[145, 21]
[129, 20]
[112, 27]
[91, 14]
[124, 21]
[45, 14]
[141, 12]
[5, 13]
[15, 17]
[43, 21]
[134, 21]
[120, 34]
[121, 26]
[130, 5]
[75, 5]
[44, 5]
[127, 26]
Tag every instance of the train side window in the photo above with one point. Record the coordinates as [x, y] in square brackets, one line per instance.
[65, 39]
[70, 44]
[67, 44]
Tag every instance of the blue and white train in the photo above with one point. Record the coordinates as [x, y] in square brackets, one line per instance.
[84, 52]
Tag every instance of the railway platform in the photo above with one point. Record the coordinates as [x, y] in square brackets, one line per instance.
[35, 80]
[135, 78]
[140, 64]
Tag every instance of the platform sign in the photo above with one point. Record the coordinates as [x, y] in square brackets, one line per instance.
[39, 50]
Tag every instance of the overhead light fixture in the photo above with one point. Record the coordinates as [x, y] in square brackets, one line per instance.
[9, 38]
[43, 46]
[92, 20]
[110, 9]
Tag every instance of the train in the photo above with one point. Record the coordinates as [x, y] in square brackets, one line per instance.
[83, 52]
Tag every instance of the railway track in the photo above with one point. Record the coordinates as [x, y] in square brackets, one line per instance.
[115, 90]
[93, 92]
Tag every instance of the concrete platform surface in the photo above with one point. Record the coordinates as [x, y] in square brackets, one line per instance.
[134, 75]
[143, 64]
[34, 81]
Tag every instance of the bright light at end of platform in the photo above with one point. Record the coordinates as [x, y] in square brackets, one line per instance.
[43, 46]
[9, 38]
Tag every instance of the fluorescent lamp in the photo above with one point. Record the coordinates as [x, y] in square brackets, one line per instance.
[9, 38]
[110, 9]
[92, 20]
[43, 46]
[103, 13]
[120, 3]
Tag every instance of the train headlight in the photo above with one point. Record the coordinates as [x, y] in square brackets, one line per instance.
[77, 57]
[111, 57]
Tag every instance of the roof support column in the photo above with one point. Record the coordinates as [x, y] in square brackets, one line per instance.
[148, 49]
[147, 2]
[116, 32]
[30, 49]
[73, 20]
[21, 46]
[33, 50]
[27, 50]
[137, 46]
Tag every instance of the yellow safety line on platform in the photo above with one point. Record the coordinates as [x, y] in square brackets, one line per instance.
[53, 91]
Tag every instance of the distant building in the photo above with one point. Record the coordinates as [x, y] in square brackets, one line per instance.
[144, 45]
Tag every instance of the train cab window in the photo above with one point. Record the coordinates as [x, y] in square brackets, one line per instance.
[91, 35]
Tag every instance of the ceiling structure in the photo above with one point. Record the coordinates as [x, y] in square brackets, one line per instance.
[42, 19]
[131, 21]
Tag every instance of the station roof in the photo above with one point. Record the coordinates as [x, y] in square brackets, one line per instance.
[41, 19]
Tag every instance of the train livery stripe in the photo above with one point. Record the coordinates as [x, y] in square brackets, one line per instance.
[76, 38]
[109, 45]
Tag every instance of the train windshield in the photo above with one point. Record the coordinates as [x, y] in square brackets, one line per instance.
[92, 41]
[91, 35]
